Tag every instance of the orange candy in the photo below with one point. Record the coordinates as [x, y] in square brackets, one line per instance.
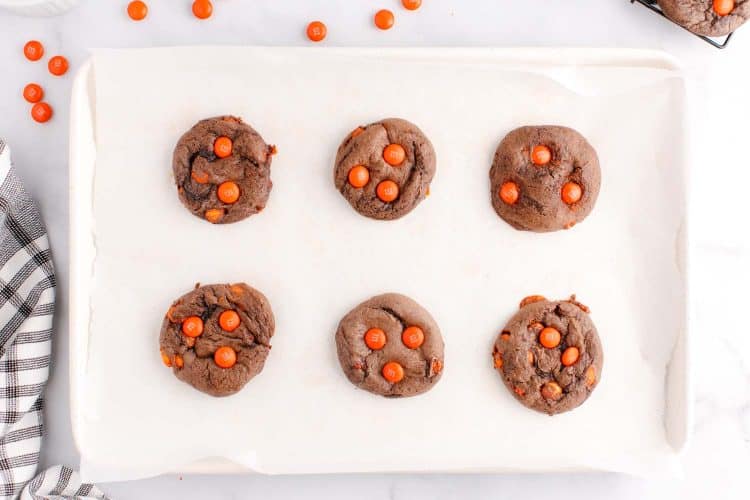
[223, 146]
[178, 361]
[229, 320]
[58, 65]
[412, 337]
[192, 326]
[509, 192]
[316, 31]
[359, 176]
[590, 376]
[137, 10]
[394, 154]
[199, 177]
[228, 192]
[33, 50]
[375, 338]
[384, 19]
[498, 358]
[570, 356]
[571, 193]
[165, 359]
[530, 300]
[387, 191]
[393, 372]
[214, 215]
[33, 92]
[225, 357]
[530, 357]
[357, 131]
[505, 336]
[540, 155]
[549, 337]
[723, 7]
[202, 9]
[411, 4]
[41, 112]
[551, 390]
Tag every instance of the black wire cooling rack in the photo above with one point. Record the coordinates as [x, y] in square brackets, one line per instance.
[718, 43]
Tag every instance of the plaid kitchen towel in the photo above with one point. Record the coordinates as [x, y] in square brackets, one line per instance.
[27, 302]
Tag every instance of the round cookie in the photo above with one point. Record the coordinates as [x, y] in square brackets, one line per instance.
[390, 345]
[222, 168]
[544, 178]
[384, 169]
[217, 337]
[549, 354]
[707, 17]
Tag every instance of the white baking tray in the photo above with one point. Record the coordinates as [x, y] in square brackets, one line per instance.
[627, 261]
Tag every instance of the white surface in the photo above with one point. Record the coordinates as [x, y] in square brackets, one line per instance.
[718, 458]
[38, 7]
[484, 263]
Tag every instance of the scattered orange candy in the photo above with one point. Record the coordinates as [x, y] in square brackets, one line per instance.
[498, 359]
[590, 376]
[192, 326]
[384, 19]
[540, 155]
[549, 337]
[316, 31]
[229, 320]
[571, 192]
[359, 176]
[202, 9]
[505, 336]
[41, 112]
[225, 357]
[199, 177]
[228, 192]
[530, 300]
[412, 337]
[178, 361]
[137, 10]
[723, 7]
[356, 132]
[393, 372]
[375, 339]
[214, 215]
[387, 191]
[165, 359]
[394, 154]
[551, 390]
[223, 146]
[33, 92]
[58, 65]
[411, 4]
[570, 356]
[33, 50]
[509, 192]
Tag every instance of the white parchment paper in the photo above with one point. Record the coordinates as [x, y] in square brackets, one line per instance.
[315, 258]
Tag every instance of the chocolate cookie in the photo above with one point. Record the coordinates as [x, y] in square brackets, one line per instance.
[544, 178]
[549, 354]
[390, 345]
[707, 17]
[222, 168]
[217, 337]
[384, 169]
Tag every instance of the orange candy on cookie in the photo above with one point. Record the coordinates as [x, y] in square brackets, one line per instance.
[549, 337]
[223, 146]
[214, 215]
[412, 337]
[375, 339]
[393, 372]
[228, 192]
[723, 7]
[509, 192]
[359, 176]
[570, 356]
[316, 31]
[571, 193]
[225, 357]
[551, 390]
[229, 320]
[387, 191]
[192, 326]
[540, 155]
[165, 359]
[394, 154]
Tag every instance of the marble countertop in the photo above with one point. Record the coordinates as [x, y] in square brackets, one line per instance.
[718, 458]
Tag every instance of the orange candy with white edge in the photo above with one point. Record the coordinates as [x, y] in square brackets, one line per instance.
[549, 337]
[316, 31]
[33, 50]
[58, 65]
[412, 337]
[192, 327]
[540, 155]
[359, 176]
[375, 339]
[509, 193]
[723, 7]
[411, 4]
[41, 112]
[394, 154]
[571, 193]
[229, 320]
[33, 93]
[228, 192]
[387, 191]
[393, 372]
[384, 19]
[137, 10]
[223, 146]
[202, 9]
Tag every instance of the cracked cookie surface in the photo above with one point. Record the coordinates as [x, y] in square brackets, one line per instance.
[544, 178]
[384, 169]
[701, 16]
[222, 168]
[549, 354]
[217, 337]
[385, 331]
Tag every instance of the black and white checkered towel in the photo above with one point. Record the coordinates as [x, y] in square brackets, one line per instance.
[27, 303]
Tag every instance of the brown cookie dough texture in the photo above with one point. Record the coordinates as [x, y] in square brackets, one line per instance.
[700, 17]
[559, 376]
[366, 147]
[392, 314]
[199, 172]
[192, 358]
[531, 196]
